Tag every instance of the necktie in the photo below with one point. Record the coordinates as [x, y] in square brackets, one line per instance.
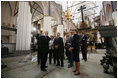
[46, 37]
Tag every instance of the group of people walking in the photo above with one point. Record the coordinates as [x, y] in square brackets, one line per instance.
[55, 48]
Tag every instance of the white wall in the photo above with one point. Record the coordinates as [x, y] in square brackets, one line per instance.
[7, 18]
[5, 14]
[114, 16]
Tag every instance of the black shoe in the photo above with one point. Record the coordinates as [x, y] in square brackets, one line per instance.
[69, 66]
[43, 69]
[82, 59]
[49, 62]
[77, 73]
[85, 60]
[46, 66]
[57, 65]
[62, 65]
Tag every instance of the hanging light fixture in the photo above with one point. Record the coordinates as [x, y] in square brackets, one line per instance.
[67, 14]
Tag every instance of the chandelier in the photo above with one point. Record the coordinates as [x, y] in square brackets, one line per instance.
[67, 15]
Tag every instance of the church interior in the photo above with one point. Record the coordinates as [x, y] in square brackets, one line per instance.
[22, 20]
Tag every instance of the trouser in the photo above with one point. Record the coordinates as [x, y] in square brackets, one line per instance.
[67, 53]
[38, 57]
[34, 48]
[43, 60]
[71, 58]
[84, 52]
[59, 59]
[52, 55]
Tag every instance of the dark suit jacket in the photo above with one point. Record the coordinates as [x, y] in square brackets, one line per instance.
[69, 41]
[43, 43]
[76, 43]
[84, 40]
[59, 42]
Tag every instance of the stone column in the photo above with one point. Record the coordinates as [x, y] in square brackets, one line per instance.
[67, 25]
[60, 29]
[23, 27]
[47, 25]
[114, 16]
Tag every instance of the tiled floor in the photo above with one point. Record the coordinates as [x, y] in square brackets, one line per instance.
[26, 67]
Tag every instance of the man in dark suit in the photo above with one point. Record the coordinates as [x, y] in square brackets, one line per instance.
[59, 49]
[84, 46]
[47, 39]
[67, 46]
[38, 53]
[43, 48]
[38, 57]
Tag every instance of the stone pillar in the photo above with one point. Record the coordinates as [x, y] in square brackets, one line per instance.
[68, 25]
[47, 25]
[41, 24]
[23, 27]
[114, 16]
[60, 29]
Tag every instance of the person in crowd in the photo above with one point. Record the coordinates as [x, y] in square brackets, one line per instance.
[2, 44]
[33, 44]
[59, 49]
[67, 46]
[43, 48]
[84, 46]
[75, 48]
[51, 51]
[38, 53]
[47, 39]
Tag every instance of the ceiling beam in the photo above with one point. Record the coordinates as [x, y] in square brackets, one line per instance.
[76, 4]
[38, 5]
[37, 20]
[37, 10]
[10, 8]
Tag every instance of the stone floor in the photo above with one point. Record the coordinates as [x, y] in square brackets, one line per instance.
[26, 67]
